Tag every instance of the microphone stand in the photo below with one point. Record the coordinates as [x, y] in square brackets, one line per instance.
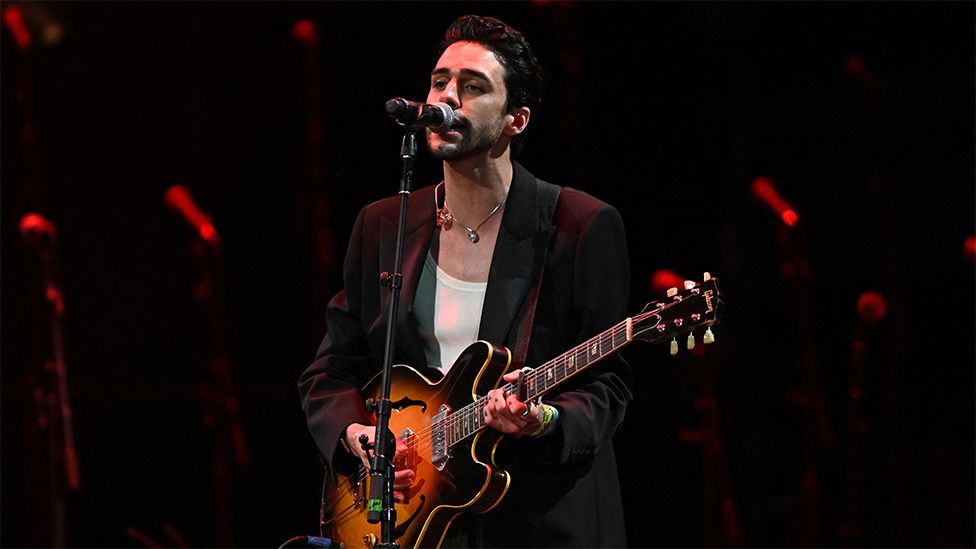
[380, 504]
[54, 403]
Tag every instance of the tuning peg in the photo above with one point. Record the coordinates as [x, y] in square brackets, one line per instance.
[691, 340]
[689, 284]
[672, 292]
[674, 346]
[709, 337]
[707, 276]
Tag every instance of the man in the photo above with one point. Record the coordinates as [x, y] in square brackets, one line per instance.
[480, 261]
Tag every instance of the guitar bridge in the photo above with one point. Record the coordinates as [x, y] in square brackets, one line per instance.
[439, 448]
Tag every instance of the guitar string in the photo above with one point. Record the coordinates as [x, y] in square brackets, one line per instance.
[580, 351]
[465, 415]
[534, 376]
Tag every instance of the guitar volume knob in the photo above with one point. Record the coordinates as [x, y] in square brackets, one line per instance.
[369, 540]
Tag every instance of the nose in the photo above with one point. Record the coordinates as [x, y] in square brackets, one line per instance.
[449, 95]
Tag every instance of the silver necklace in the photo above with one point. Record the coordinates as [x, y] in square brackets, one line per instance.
[445, 217]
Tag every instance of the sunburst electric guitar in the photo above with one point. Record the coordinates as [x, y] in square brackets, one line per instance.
[442, 423]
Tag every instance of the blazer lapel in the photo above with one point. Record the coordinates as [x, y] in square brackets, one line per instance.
[516, 260]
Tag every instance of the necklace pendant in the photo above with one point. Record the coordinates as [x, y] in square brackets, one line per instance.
[444, 217]
[473, 236]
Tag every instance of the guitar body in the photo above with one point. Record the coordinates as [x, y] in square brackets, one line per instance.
[467, 482]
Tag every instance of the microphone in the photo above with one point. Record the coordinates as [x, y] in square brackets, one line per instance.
[439, 117]
[178, 197]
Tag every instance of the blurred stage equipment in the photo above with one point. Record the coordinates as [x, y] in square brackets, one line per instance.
[28, 20]
[13, 19]
[763, 189]
[179, 199]
[314, 203]
[173, 537]
[51, 396]
[810, 396]
[221, 406]
[720, 515]
[871, 310]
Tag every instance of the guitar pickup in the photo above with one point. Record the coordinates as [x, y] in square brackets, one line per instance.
[438, 439]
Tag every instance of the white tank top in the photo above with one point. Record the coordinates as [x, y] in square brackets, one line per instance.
[448, 314]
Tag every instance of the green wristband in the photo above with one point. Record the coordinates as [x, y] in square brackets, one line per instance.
[549, 415]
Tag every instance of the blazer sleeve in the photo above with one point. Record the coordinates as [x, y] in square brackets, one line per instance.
[330, 388]
[592, 408]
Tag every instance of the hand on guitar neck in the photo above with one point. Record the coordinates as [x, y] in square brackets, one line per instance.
[509, 415]
[404, 476]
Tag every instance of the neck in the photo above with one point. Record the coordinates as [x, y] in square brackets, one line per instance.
[474, 186]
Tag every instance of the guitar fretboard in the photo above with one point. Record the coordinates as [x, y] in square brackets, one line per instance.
[469, 420]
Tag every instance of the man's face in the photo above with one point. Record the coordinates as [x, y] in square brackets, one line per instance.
[470, 79]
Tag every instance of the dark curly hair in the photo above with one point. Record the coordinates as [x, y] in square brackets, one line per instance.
[523, 74]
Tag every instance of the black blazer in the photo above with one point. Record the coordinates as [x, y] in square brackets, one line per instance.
[565, 490]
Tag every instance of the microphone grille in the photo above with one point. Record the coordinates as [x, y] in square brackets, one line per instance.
[447, 118]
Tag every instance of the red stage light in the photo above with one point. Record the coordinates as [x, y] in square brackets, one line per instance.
[969, 248]
[871, 306]
[14, 19]
[854, 64]
[306, 32]
[763, 189]
[789, 217]
[662, 279]
[178, 197]
[35, 223]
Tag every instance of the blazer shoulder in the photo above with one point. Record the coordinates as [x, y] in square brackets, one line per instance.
[578, 207]
[389, 207]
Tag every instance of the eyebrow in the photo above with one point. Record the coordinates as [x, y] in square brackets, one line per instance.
[471, 72]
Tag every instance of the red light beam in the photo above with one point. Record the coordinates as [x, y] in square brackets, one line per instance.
[13, 18]
[178, 197]
[763, 189]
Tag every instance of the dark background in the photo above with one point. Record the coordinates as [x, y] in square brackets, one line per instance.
[861, 114]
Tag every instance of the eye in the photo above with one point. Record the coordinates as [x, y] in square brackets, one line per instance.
[438, 84]
[474, 87]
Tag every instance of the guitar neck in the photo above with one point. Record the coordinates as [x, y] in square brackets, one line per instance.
[556, 371]
[470, 420]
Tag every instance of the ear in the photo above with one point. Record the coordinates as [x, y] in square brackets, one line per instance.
[516, 121]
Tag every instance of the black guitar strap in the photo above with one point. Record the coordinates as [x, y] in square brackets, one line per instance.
[548, 196]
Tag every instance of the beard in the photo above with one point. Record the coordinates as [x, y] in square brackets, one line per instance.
[474, 140]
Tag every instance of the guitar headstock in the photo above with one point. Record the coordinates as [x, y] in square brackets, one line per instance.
[682, 311]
